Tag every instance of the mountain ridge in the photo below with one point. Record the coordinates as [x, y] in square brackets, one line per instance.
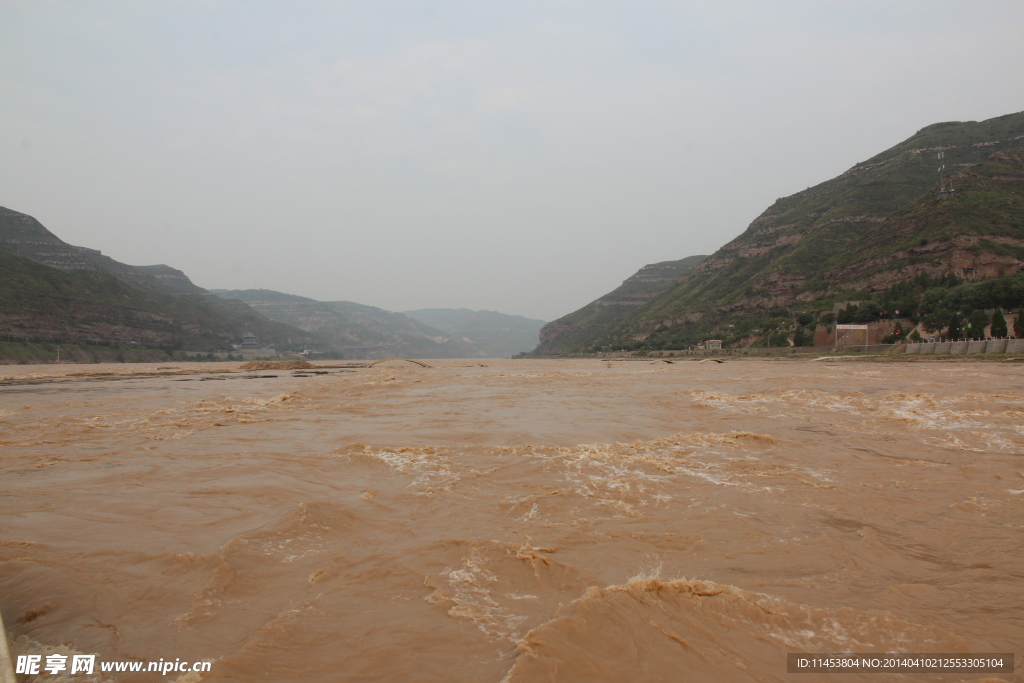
[780, 259]
[24, 235]
[51, 289]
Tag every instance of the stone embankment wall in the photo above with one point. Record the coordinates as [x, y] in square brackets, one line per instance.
[1015, 346]
[777, 351]
[961, 347]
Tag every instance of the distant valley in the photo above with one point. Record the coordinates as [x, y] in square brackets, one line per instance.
[499, 334]
[887, 236]
[356, 330]
[53, 292]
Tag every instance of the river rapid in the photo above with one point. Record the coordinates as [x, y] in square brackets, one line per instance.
[516, 521]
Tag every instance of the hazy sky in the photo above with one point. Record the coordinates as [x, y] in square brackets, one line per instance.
[524, 157]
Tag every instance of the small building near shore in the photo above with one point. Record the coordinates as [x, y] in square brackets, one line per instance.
[251, 348]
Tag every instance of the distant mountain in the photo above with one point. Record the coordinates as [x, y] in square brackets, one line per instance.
[51, 289]
[878, 224]
[598, 317]
[356, 330]
[498, 334]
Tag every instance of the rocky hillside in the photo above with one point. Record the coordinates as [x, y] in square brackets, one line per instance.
[975, 232]
[355, 330]
[593, 320]
[879, 223]
[52, 290]
[24, 235]
[497, 334]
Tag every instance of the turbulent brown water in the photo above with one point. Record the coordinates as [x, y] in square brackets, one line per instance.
[524, 521]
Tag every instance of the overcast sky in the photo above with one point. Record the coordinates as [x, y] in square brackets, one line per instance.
[524, 157]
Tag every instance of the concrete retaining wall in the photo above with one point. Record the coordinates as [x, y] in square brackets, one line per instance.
[965, 347]
[785, 351]
[957, 347]
[996, 346]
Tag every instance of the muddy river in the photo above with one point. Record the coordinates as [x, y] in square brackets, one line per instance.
[512, 521]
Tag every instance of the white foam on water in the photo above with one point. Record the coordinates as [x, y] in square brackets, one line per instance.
[470, 598]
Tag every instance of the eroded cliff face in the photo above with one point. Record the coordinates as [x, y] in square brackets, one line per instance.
[966, 256]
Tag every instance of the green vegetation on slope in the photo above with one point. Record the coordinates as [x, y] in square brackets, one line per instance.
[933, 302]
[851, 237]
[27, 352]
[779, 256]
[983, 216]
